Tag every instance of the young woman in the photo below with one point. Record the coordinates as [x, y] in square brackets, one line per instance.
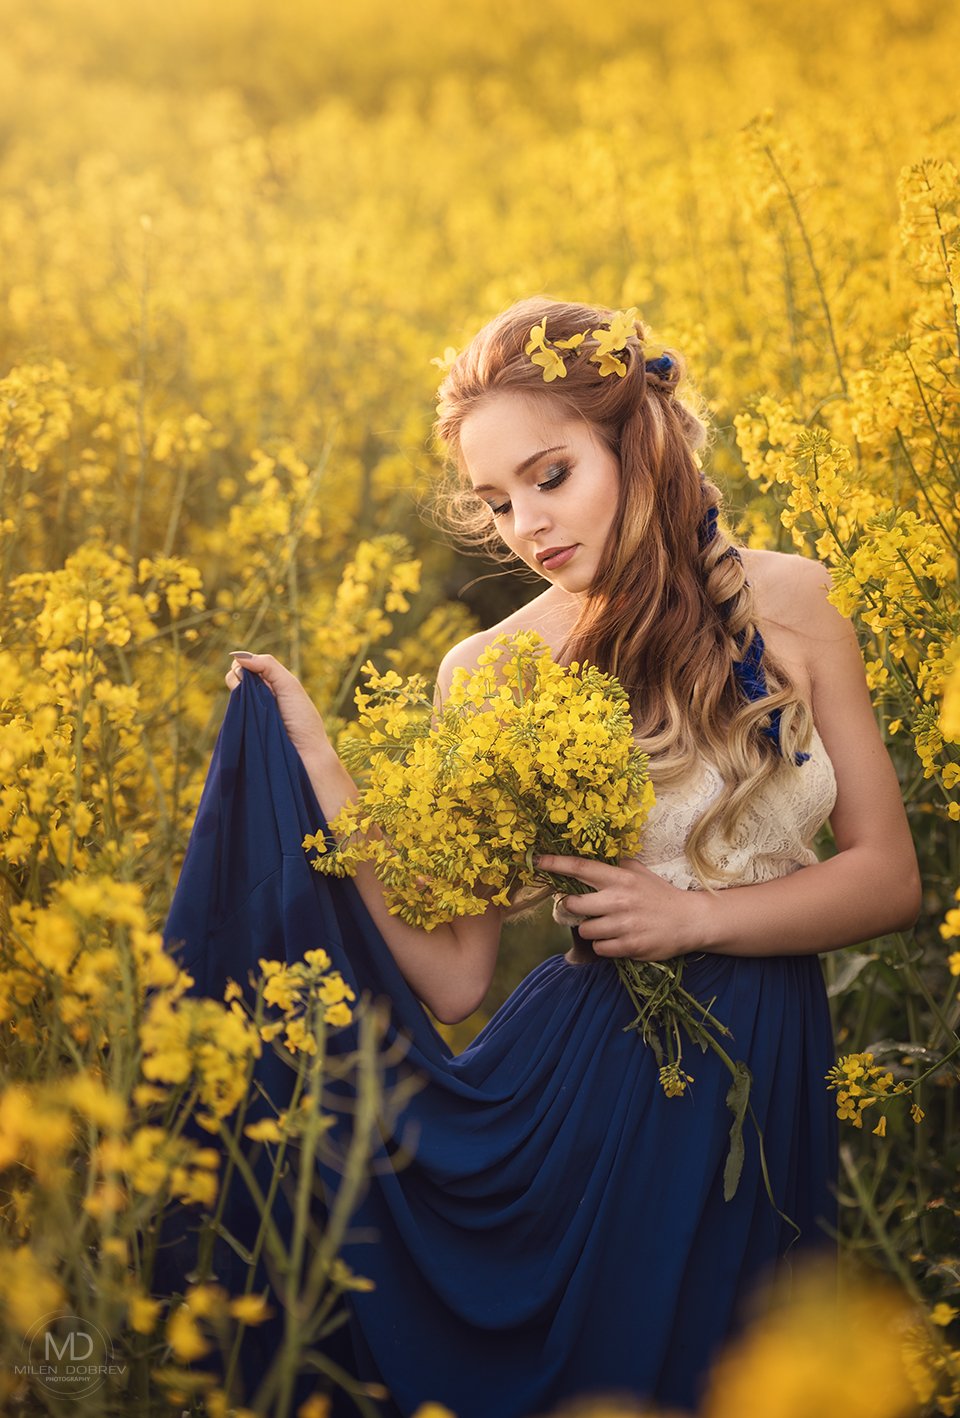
[562, 1228]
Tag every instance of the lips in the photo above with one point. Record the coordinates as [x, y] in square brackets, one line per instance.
[556, 556]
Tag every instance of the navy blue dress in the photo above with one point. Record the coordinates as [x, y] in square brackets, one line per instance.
[561, 1229]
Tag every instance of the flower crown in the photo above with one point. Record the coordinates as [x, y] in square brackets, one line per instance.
[609, 352]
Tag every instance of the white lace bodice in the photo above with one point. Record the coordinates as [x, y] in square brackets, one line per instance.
[774, 836]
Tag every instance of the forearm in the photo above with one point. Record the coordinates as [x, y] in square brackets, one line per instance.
[855, 896]
[448, 971]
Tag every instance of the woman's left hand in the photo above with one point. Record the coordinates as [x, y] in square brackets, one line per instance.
[631, 911]
[300, 715]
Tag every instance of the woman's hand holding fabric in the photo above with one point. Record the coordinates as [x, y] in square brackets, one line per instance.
[631, 910]
[300, 715]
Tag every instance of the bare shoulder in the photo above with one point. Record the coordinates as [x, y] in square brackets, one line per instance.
[795, 617]
[869, 807]
[549, 614]
[788, 588]
[463, 655]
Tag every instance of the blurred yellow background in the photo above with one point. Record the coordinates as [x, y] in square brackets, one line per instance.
[235, 241]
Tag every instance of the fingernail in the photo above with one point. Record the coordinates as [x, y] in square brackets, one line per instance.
[241, 654]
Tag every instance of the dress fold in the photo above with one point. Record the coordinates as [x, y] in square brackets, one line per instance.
[561, 1228]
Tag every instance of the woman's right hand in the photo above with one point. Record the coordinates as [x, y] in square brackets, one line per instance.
[300, 716]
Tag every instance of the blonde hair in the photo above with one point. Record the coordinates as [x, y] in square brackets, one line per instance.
[663, 611]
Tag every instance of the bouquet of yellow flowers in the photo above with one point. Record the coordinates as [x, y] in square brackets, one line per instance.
[526, 757]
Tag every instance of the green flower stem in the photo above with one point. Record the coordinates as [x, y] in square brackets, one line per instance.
[205, 1248]
[815, 269]
[918, 982]
[876, 1225]
[368, 1098]
[305, 1310]
[152, 1235]
[934, 1066]
[673, 1016]
[934, 425]
[294, 1309]
[261, 1232]
[656, 992]
[918, 479]
[357, 1390]
[272, 1239]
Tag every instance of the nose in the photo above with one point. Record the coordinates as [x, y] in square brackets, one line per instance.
[530, 517]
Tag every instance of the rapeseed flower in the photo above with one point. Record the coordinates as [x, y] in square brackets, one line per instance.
[859, 1083]
[810, 1350]
[526, 757]
[29, 1290]
[200, 1040]
[184, 1335]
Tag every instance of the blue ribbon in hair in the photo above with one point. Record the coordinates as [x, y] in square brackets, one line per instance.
[748, 671]
[661, 366]
[708, 530]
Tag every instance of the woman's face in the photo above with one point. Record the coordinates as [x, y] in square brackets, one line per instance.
[550, 481]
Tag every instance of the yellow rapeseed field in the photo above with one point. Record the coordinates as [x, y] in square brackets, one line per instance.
[238, 243]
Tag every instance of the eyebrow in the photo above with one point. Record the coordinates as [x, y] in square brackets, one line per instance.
[527, 463]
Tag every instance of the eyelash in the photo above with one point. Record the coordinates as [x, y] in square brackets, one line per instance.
[560, 476]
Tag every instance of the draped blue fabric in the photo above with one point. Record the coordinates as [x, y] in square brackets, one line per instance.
[561, 1228]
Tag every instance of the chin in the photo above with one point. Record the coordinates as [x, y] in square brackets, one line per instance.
[576, 579]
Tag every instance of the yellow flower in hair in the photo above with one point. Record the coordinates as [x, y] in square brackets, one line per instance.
[622, 326]
[538, 337]
[552, 363]
[608, 363]
[612, 341]
[543, 354]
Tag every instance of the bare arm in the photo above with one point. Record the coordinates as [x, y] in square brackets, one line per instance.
[870, 887]
[450, 967]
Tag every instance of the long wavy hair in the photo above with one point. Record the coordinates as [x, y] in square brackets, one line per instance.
[663, 611]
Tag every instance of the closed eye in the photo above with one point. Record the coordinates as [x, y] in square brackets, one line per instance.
[559, 474]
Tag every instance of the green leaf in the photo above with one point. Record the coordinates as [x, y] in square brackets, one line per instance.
[737, 1099]
[848, 968]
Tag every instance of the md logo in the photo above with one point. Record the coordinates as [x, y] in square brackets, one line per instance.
[68, 1356]
[81, 1339]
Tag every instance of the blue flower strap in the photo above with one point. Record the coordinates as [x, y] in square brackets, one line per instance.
[748, 671]
[661, 366]
[753, 683]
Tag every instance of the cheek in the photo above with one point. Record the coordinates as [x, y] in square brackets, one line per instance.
[592, 507]
[611, 495]
[510, 541]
